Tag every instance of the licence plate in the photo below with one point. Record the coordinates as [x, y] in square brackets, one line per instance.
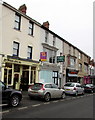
[67, 89]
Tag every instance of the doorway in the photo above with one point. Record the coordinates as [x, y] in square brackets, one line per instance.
[25, 78]
[16, 81]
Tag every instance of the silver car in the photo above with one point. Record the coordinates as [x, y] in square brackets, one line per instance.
[46, 91]
[73, 88]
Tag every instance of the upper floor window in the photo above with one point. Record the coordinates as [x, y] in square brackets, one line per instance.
[80, 55]
[80, 67]
[46, 36]
[31, 26]
[15, 49]
[74, 51]
[51, 55]
[17, 21]
[71, 61]
[69, 49]
[54, 40]
[29, 53]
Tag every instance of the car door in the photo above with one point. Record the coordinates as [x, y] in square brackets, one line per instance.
[56, 91]
[5, 92]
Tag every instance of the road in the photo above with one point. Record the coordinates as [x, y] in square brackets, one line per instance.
[71, 107]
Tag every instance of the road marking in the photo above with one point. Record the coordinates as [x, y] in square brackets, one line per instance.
[3, 105]
[74, 97]
[22, 108]
[4, 112]
[36, 105]
[47, 103]
[55, 101]
[62, 100]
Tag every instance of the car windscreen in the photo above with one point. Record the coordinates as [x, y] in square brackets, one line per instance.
[37, 86]
[69, 85]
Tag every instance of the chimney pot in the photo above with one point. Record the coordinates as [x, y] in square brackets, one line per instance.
[23, 8]
[46, 24]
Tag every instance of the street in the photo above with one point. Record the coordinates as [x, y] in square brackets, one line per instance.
[70, 107]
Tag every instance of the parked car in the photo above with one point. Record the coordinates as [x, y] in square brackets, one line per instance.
[73, 88]
[10, 96]
[46, 91]
[89, 88]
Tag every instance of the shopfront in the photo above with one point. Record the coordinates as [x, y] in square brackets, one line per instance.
[49, 73]
[71, 75]
[20, 73]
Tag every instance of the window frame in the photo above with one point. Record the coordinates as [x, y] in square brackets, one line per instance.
[30, 32]
[46, 36]
[29, 52]
[55, 77]
[54, 40]
[17, 50]
[17, 22]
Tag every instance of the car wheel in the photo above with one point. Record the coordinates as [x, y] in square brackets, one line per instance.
[14, 101]
[47, 97]
[63, 95]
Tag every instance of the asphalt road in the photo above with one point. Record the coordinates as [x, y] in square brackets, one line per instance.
[72, 107]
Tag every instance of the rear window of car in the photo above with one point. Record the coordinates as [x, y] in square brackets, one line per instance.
[89, 85]
[37, 86]
[69, 84]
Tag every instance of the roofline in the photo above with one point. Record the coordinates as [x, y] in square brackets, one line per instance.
[24, 15]
[64, 40]
[37, 23]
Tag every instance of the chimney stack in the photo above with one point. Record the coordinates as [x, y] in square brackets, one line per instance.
[46, 24]
[23, 8]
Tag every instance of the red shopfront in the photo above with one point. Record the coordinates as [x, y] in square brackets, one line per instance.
[87, 80]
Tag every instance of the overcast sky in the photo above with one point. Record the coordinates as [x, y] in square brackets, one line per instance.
[70, 19]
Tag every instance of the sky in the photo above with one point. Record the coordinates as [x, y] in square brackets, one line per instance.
[70, 19]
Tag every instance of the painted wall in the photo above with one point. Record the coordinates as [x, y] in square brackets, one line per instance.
[25, 40]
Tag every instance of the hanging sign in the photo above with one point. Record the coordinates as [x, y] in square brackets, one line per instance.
[43, 56]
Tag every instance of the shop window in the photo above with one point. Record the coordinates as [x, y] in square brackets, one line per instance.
[8, 76]
[16, 68]
[33, 76]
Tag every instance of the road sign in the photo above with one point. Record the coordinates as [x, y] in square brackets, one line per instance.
[60, 58]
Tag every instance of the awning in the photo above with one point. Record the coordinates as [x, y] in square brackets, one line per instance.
[72, 75]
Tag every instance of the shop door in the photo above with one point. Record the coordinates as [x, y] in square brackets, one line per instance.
[16, 82]
[25, 80]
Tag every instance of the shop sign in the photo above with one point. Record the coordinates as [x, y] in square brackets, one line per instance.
[60, 58]
[43, 56]
[12, 61]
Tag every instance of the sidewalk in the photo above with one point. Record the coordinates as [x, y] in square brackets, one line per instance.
[24, 93]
